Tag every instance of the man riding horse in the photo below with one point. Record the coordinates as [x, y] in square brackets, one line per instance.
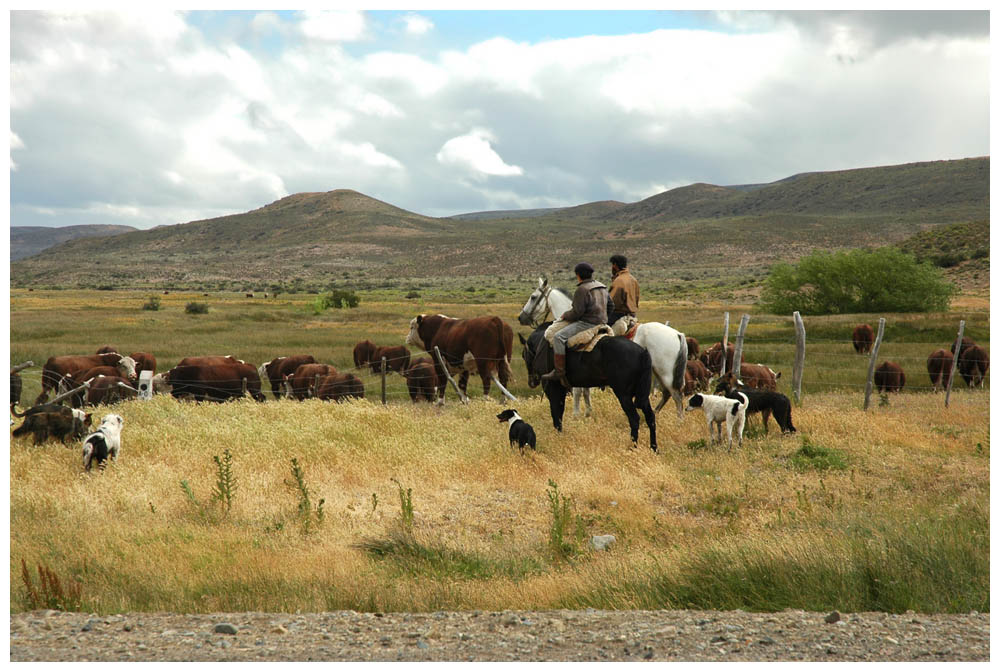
[589, 310]
[624, 290]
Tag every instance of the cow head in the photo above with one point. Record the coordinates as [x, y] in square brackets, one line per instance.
[127, 366]
[413, 338]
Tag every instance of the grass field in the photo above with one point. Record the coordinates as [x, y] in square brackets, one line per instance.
[414, 508]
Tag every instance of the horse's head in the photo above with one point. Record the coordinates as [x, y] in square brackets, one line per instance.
[535, 357]
[537, 306]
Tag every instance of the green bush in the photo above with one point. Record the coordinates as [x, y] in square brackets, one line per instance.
[195, 308]
[857, 281]
[335, 298]
[152, 303]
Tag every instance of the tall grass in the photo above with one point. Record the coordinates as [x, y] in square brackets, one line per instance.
[902, 522]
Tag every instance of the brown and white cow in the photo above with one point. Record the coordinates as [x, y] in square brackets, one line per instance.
[302, 383]
[421, 379]
[973, 363]
[275, 371]
[712, 358]
[214, 378]
[889, 377]
[939, 368]
[339, 386]
[863, 338]
[759, 377]
[63, 365]
[482, 344]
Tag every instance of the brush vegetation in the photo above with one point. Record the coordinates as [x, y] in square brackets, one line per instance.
[314, 506]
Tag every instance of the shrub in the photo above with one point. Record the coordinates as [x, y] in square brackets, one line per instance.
[335, 298]
[152, 303]
[857, 281]
[195, 308]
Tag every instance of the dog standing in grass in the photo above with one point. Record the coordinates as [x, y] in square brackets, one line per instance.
[103, 443]
[719, 410]
[520, 432]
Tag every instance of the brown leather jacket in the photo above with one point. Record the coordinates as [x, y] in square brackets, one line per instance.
[625, 292]
[590, 303]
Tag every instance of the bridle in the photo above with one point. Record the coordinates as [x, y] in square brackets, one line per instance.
[542, 295]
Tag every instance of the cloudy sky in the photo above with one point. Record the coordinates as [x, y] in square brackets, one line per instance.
[164, 117]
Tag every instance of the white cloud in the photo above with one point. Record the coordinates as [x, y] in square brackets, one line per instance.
[15, 143]
[474, 153]
[417, 24]
[333, 26]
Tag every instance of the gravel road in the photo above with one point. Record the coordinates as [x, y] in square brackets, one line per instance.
[501, 636]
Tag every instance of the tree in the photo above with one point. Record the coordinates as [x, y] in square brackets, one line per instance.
[856, 281]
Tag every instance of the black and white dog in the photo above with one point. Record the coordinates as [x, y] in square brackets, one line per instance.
[765, 402]
[520, 432]
[103, 443]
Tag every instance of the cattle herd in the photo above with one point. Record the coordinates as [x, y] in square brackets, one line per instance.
[482, 345]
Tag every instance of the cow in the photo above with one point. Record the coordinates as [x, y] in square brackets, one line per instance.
[759, 377]
[696, 376]
[939, 368]
[213, 378]
[57, 367]
[484, 344]
[302, 383]
[863, 338]
[693, 347]
[397, 358]
[972, 365]
[144, 361]
[75, 380]
[279, 367]
[712, 358]
[889, 377]
[421, 379]
[338, 386]
[106, 390]
[105, 349]
[966, 343]
[363, 352]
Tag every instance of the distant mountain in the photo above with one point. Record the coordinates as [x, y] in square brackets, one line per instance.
[28, 240]
[504, 214]
[314, 240]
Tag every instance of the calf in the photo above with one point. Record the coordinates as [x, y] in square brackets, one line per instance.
[363, 352]
[889, 377]
[397, 358]
[759, 377]
[421, 379]
[764, 402]
[719, 410]
[693, 347]
[338, 386]
[863, 337]
[275, 371]
[303, 382]
[972, 365]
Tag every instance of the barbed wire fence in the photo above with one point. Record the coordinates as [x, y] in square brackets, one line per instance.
[824, 364]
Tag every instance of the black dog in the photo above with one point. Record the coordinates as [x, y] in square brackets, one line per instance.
[521, 432]
[764, 402]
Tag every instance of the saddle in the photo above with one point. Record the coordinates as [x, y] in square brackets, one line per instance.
[625, 326]
[582, 342]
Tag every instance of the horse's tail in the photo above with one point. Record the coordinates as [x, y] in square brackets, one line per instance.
[680, 363]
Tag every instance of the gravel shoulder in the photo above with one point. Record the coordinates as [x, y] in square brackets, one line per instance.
[588, 635]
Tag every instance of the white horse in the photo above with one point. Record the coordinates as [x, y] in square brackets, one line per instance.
[667, 347]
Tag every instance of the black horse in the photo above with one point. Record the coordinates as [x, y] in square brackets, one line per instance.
[615, 362]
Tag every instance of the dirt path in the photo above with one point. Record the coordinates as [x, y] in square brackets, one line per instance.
[500, 636]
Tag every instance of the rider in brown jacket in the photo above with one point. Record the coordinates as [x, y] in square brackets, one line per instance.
[624, 290]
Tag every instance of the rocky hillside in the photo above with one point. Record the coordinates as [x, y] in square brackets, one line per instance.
[28, 240]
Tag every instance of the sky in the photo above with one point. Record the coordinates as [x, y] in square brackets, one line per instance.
[161, 117]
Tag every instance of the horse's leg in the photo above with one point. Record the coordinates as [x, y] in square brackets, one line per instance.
[633, 416]
[557, 403]
[650, 415]
[586, 399]
[577, 393]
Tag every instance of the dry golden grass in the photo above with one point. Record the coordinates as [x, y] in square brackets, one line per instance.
[135, 541]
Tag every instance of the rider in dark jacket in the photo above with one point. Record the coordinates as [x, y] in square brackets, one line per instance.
[589, 309]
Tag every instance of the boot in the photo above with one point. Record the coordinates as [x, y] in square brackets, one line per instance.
[558, 374]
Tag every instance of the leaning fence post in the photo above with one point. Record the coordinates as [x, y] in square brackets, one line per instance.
[725, 344]
[800, 356]
[451, 380]
[738, 352]
[954, 360]
[383, 380]
[21, 367]
[871, 361]
[85, 386]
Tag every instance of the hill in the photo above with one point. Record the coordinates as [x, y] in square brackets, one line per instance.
[696, 235]
[28, 240]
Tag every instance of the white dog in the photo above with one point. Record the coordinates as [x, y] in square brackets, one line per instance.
[722, 409]
[104, 442]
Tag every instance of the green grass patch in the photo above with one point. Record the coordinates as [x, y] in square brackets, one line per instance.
[814, 456]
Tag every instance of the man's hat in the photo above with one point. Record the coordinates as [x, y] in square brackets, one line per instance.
[583, 268]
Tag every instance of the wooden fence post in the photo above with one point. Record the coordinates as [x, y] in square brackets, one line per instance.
[85, 386]
[800, 357]
[954, 361]
[725, 343]
[383, 380]
[871, 361]
[738, 351]
[444, 367]
[21, 367]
